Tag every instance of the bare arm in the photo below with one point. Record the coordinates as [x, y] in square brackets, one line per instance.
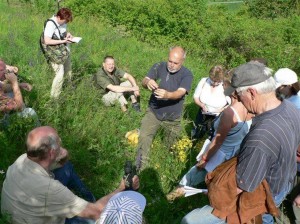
[149, 84]
[8, 87]
[122, 89]
[50, 41]
[224, 127]
[200, 104]
[164, 94]
[12, 78]
[133, 83]
[93, 210]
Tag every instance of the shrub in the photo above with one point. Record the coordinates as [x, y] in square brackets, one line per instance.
[272, 9]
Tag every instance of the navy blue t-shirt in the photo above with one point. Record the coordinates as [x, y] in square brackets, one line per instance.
[165, 109]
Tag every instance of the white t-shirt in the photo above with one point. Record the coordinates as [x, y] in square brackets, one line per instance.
[31, 195]
[215, 99]
[50, 29]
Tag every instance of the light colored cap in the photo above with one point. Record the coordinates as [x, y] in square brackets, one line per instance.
[285, 76]
[124, 207]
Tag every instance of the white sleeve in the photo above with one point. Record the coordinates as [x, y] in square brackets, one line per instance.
[49, 29]
[199, 88]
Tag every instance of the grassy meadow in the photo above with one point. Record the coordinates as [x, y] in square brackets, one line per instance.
[94, 134]
[137, 34]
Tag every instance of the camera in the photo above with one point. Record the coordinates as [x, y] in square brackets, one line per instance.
[129, 172]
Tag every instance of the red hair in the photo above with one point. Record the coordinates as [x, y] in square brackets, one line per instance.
[65, 13]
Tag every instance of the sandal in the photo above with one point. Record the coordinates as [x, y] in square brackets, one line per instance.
[176, 193]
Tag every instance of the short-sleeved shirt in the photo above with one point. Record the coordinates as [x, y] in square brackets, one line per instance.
[31, 195]
[165, 109]
[102, 79]
[51, 29]
[269, 149]
[214, 101]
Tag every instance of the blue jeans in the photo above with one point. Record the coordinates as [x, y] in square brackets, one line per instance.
[267, 218]
[193, 177]
[202, 216]
[79, 220]
[68, 177]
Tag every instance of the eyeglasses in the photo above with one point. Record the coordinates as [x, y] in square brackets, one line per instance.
[216, 83]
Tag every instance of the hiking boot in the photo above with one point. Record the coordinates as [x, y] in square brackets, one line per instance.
[136, 107]
[124, 108]
[178, 192]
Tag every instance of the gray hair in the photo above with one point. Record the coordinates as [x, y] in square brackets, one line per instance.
[43, 145]
[266, 86]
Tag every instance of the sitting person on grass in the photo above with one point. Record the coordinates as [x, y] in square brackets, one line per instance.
[8, 104]
[30, 194]
[7, 88]
[66, 174]
[10, 93]
[108, 81]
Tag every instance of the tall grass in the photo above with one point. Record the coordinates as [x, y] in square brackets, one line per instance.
[93, 134]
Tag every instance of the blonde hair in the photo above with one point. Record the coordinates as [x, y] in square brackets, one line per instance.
[217, 73]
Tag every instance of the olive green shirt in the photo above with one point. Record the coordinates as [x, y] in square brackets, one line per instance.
[102, 79]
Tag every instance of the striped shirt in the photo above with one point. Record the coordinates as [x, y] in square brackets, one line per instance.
[269, 149]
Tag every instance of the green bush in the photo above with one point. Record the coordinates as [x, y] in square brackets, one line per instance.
[148, 20]
[211, 33]
[271, 9]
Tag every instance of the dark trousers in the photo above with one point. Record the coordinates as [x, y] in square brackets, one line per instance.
[202, 125]
[68, 177]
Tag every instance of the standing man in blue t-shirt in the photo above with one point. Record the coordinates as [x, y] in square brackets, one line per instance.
[169, 82]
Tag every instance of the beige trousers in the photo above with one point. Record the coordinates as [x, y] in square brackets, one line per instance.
[110, 98]
[60, 70]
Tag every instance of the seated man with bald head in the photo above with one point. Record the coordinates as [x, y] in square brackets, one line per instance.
[169, 82]
[30, 194]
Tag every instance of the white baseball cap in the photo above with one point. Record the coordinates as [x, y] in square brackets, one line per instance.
[124, 207]
[285, 76]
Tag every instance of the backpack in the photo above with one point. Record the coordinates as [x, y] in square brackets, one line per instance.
[58, 53]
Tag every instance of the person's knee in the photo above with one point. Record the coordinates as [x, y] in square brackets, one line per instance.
[145, 138]
[107, 102]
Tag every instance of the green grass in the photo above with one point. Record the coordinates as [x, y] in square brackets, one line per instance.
[93, 134]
